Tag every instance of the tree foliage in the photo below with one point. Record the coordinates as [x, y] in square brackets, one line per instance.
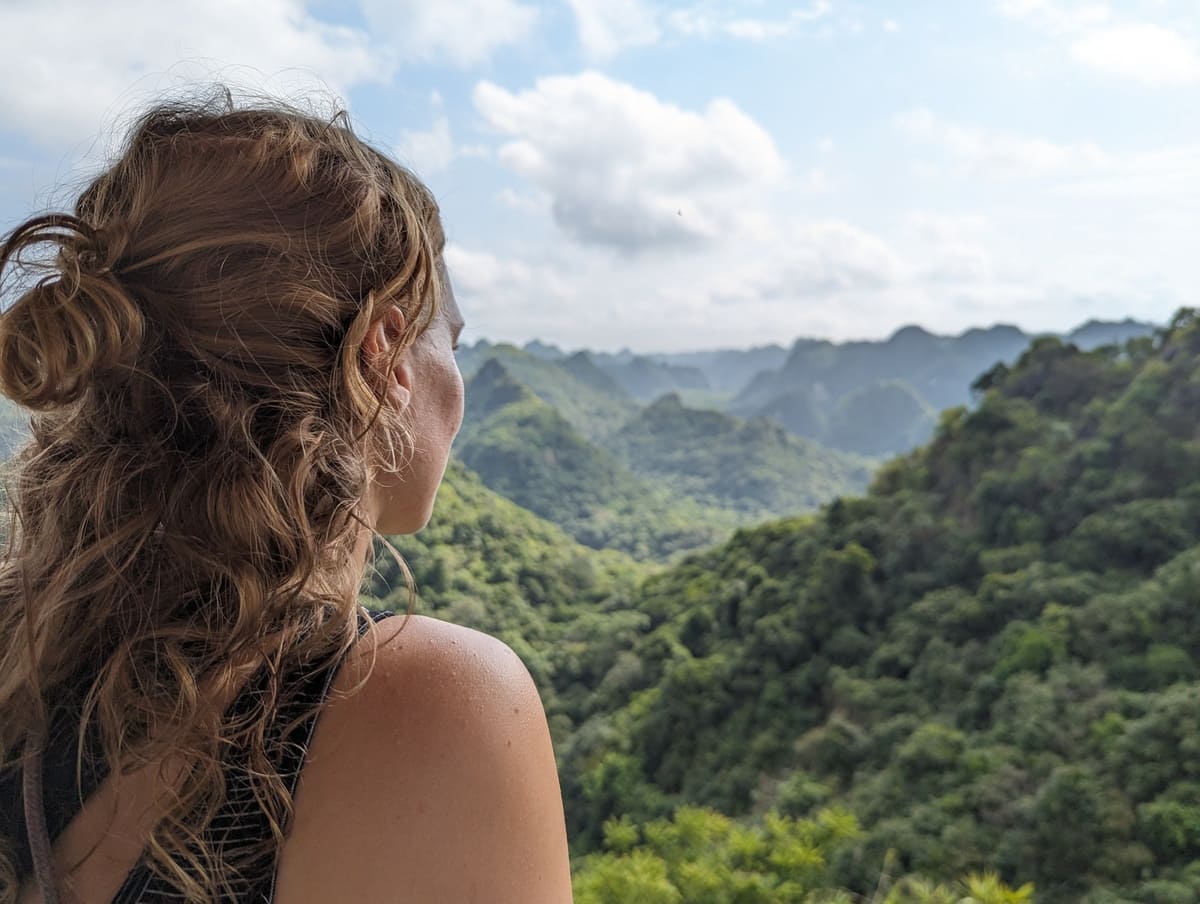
[990, 658]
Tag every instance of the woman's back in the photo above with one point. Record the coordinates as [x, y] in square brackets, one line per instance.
[433, 782]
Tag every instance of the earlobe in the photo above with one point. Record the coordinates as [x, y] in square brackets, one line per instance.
[401, 386]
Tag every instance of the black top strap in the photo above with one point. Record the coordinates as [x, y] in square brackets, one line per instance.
[62, 797]
[238, 823]
[35, 817]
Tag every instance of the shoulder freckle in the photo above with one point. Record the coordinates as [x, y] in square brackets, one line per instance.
[436, 665]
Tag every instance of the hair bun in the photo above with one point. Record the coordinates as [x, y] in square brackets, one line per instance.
[75, 323]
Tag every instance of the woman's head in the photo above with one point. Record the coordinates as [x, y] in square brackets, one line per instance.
[239, 352]
[244, 255]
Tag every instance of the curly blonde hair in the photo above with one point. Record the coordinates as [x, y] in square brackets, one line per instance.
[203, 441]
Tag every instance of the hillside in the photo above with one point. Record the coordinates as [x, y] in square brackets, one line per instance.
[522, 448]
[672, 479]
[485, 562]
[752, 467]
[645, 379]
[728, 370]
[591, 401]
[866, 397]
[886, 417]
[990, 658]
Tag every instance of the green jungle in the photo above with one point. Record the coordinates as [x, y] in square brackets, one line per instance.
[914, 622]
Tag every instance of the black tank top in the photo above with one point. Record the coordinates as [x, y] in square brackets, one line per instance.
[240, 821]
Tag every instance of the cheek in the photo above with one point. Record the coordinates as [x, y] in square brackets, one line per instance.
[460, 397]
[447, 400]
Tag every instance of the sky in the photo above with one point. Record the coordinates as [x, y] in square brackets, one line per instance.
[700, 174]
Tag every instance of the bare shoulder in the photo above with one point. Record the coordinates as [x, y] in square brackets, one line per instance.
[435, 781]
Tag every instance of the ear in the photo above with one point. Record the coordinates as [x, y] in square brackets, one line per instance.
[377, 348]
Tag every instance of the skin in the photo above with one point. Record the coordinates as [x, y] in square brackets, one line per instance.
[436, 780]
[427, 386]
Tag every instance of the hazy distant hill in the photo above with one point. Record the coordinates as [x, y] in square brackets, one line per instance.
[645, 379]
[544, 351]
[883, 397]
[866, 396]
[1095, 333]
[728, 370]
[584, 368]
[751, 466]
[591, 401]
[939, 368]
[491, 388]
[885, 418]
[639, 376]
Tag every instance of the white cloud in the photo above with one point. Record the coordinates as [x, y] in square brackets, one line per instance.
[69, 67]
[463, 32]
[1052, 16]
[608, 26]
[507, 298]
[1144, 53]
[827, 278]
[428, 152]
[953, 247]
[1160, 178]
[534, 202]
[937, 226]
[1147, 52]
[807, 277]
[994, 154]
[827, 257]
[960, 263]
[818, 276]
[816, 180]
[628, 171]
[476, 271]
[705, 21]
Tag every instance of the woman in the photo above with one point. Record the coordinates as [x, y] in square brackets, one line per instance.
[239, 355]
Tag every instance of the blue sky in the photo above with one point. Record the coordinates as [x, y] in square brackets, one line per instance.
[670, 176]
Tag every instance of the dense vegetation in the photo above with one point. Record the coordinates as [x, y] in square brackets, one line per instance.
[670, 479]
[990, 659]
[525, 450]
[753, 467]
[702, 857]
[568, 611]
[591, 402]
[486, 563]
